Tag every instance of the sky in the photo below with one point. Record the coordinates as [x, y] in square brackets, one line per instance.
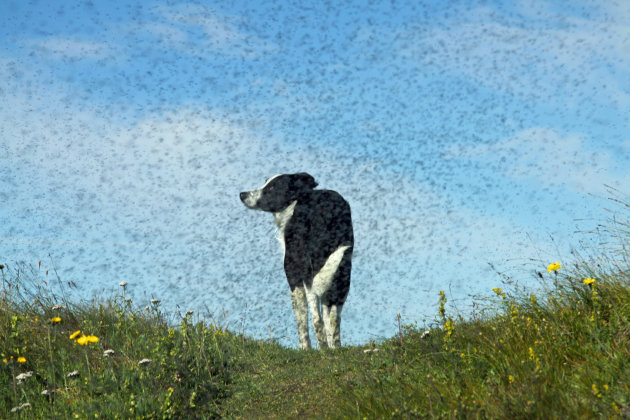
[476, 142]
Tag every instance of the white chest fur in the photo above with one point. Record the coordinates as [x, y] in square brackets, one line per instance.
[281, 219]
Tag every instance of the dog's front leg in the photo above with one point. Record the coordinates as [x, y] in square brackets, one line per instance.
[300, 308]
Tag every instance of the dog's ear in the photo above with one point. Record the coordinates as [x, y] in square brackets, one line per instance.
[304, 181]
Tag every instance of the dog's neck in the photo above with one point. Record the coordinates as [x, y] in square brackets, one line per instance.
[281, 218]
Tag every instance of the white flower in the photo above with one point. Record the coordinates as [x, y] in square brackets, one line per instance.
[22, 376]
[122, 284]
[155, 301]
[73, 374]
[108, 352]
[144, 362]
[370, 350]
[54, 308]
[425, 334]
[20, 407]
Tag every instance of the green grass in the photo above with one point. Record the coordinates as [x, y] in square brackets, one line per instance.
[563, 353]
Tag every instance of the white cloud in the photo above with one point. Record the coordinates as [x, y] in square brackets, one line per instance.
[72, 48]
[551, 54]
[217, 32]
[552, 158]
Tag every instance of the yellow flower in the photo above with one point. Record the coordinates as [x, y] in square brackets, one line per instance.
[82, 341]
[92, 339]
[5, 360]
[21, 359]
[553, 267]
[588, 281]
[532, 299]
[55, 320]
[74, 334]
[511, 379]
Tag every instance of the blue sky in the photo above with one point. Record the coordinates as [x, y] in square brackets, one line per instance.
[462, 135]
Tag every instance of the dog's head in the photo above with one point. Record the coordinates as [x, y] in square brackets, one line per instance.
[278, 192]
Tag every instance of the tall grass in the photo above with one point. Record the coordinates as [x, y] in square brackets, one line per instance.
[104, 358]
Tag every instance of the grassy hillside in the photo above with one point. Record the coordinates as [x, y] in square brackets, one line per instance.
[561, 353]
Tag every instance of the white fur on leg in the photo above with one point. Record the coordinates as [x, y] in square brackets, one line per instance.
[318, 325]
[300, 308]
[332, 322]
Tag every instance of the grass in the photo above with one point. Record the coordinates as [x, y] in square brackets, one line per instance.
[562, 353]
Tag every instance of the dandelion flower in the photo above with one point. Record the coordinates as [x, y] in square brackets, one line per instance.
[74, 334]
[553, 267]
[82, 341]
[511, 379]
[55, 320]
[21, 359]
[588, 281]
[92, 339]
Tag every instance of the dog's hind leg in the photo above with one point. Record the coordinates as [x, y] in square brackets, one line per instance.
[332, 322]
[318, 324]
[300, 308]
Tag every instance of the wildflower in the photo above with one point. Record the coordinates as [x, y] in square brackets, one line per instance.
[5, 360]
[23, 376]
[588, 281]
[553, 267]
[73, 374]
[82, 341]
[144, 362]
[74, 334]
[122, 284]
[47, 392]
[92, 339]
[511, 379]
[21, 359]
[425, 334]
[20, 407]
[370, 350]
[54, 308]
[448, 327]
[55, 320]
[108, 352]
[498, 291]
[189, 312]
[155, 301]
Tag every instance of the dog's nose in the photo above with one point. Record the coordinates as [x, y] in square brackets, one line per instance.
[243, 196]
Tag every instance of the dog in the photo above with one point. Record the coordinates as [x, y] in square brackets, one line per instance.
[315, 231]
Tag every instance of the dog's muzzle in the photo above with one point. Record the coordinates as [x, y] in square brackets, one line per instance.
[250, 198]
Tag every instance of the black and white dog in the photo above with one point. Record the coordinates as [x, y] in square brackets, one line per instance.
[315, 230]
